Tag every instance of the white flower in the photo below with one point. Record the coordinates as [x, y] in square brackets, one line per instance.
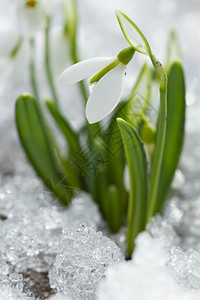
[32, 14]
[108, 75]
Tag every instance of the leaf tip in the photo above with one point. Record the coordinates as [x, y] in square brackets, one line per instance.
[120, 120]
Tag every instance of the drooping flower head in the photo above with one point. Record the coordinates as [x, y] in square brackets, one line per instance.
[32, 14]
[107, 75]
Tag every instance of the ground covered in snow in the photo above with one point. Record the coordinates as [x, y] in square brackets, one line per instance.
[47, 252]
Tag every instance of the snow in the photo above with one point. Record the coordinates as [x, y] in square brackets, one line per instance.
[83, 258]
[145, 277]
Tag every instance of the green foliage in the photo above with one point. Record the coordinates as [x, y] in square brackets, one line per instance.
[40, 148]
[137, 164]
[174, 132]
[96, 156]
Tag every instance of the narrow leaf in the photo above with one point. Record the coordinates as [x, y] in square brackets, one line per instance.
[75, 162]
[110, 163]
[174, 132]
[64, 126]
[137, 164]
[39, 148]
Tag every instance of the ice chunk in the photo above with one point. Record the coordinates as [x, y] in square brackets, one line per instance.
[185, 267]
[31, 232]
[82, 261]
[145, 277]
[24, 243]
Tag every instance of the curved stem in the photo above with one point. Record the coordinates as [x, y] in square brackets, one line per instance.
[32, 70]
[48, 66]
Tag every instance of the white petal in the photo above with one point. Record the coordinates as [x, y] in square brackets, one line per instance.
[84, 69]
[105, 95]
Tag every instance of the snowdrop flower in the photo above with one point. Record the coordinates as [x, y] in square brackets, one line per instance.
[32, 14]
[107, 76]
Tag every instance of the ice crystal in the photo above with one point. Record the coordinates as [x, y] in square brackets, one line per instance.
[82, 261]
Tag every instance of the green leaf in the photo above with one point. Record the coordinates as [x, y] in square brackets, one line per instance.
[77, 160]
[133, 34]
[67, 131]
[174, 132]
[131, 110]
[137, 164]
[107, 184]
[116, 158]
[40, 148]
[113, 208]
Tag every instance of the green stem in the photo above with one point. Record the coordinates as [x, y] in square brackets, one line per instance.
[47, 64]
[32, 70]
[159, 149]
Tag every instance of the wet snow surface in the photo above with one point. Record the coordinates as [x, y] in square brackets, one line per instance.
[46, 252]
